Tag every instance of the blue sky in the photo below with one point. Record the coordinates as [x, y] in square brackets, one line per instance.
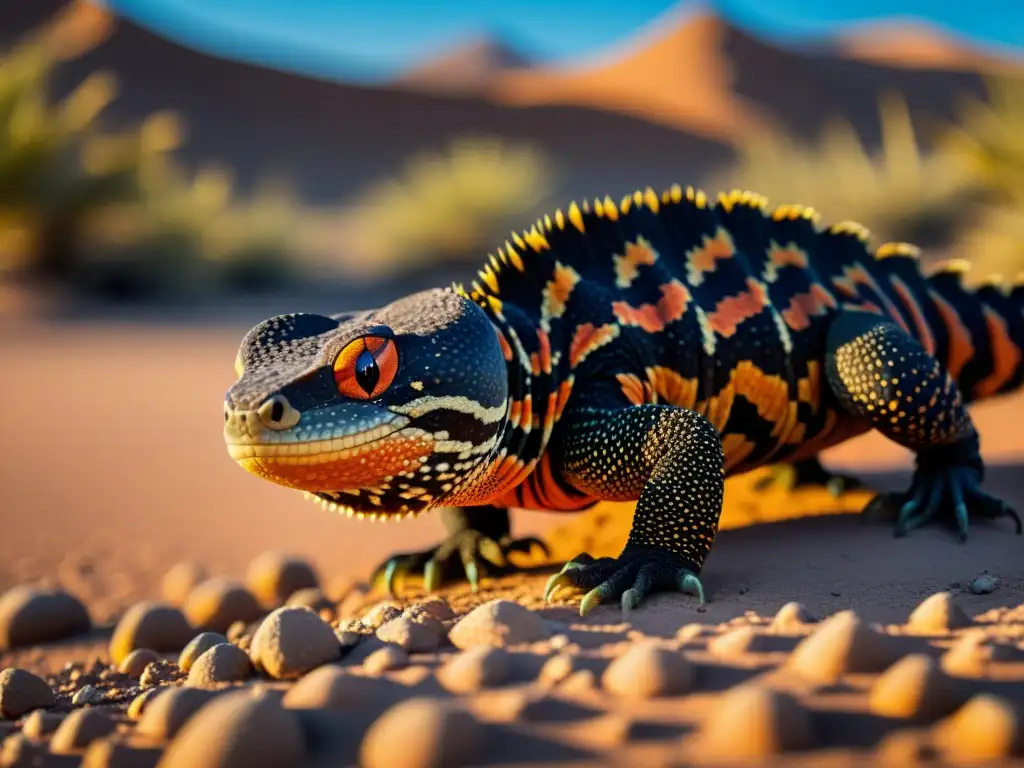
[376, 39]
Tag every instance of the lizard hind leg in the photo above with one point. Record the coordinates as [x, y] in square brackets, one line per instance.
[880, 373]
[807, 473]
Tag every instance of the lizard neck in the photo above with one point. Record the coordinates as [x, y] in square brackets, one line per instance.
[538, 389]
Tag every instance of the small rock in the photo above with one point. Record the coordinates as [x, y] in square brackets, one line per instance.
[972, 653]
[907, 747]
[170, 709]
[139, 703]
[792, 617]
[40, 724]
[433, 607]
[79, 730]
[422, 733]
[274, 577]
[690, 632]
[986, 728]
[85, 695]
[331, 687]
[936, 615]
[217, 603]
[474, 669]
[386, 659]
[734, 643]
[498, 623]
[241, 634]
[556, 669]
[224, 663]
[29, 616]
[352, 603]
[135, 663]
[841, 644]
[914, 687]
[312, 598]
[292, 641]
[179, 582]
[199, 645]
[238, 729]
[156, 626]
[380, 614]
[423, 636]
[647, 670]
[18, 750]
[114, 752]
[21, 692]
[984, 584]
[753, 723]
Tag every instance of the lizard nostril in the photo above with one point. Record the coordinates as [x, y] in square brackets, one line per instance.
[277, 413]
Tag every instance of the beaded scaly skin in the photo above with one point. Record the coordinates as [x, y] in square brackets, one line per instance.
[639, 350]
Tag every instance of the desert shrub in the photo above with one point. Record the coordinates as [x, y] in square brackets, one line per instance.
[447, 206]
[900, 192]
[987, 143]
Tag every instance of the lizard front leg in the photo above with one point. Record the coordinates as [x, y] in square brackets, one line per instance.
[479, 538]
[882, 374]
[668, 458]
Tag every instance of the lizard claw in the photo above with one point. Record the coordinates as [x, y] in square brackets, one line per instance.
[469, 551]
[630, 578]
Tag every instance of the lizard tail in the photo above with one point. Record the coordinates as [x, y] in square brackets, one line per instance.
[980, 334]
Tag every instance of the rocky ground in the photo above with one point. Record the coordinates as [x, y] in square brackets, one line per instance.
[280, 669]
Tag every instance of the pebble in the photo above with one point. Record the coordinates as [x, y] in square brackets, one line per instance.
[433, 607]
[984, 584]
[40, 724]
[274, 577]
[156, 626]
[386, 659]
[18, 750]
[312, 598]
[29, 616]
[752, 722]
[380, 614]
[79, 730]
[170, 709]
[85, 695]
[647, 670]
[474, 669]
[238, 730]
[690, 632]
[21, 692]
[557, 668]
[292, 641]
[915, 688]
[986, 728]
[224, 663]
[792, 617]
[217, 603]
[331, 687]
[422, 733]
[422, 636]
[180, 580]
[139, 703]
[841, 644]
[734, 643]
[199, 645]
[498, 623]
[114, 752]
[135, 663]
[936, 615]
[972, 653]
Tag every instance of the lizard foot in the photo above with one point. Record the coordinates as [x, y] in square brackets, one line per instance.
[468, 550]
[938, 491]
[629, 578]
[808, 473]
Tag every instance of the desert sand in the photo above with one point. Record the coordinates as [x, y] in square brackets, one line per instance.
[119, 493]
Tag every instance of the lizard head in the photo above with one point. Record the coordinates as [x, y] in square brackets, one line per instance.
[378, 413]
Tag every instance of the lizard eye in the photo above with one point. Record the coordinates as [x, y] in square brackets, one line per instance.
[365, 368]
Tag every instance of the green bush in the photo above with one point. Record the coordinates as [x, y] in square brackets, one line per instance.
[447, 206]
[899, 192]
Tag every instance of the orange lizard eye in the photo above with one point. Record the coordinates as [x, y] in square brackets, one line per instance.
[365, 368]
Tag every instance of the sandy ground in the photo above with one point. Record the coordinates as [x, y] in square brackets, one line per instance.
[113, 470]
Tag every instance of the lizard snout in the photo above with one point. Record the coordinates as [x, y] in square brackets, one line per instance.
[275, 413]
